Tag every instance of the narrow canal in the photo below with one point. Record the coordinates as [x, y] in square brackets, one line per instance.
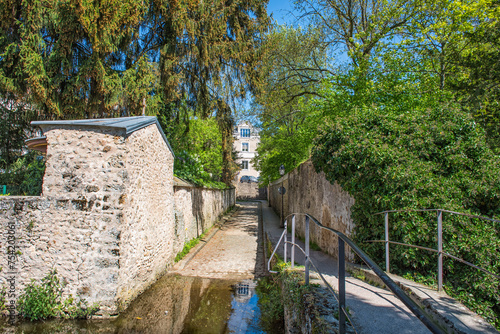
[175, 304]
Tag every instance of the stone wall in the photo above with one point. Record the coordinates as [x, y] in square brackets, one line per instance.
[250, 191]
[197, 209]
[107, 220]
[105, 216]
[146, 237]
[51, 233]
[310, 192]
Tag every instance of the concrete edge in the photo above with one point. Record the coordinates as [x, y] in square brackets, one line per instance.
[425, 304]
[264, 237]
[213, 230]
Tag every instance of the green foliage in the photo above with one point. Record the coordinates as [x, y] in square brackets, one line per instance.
[95, 59]
[286, 99]
[286, 138]
[476, 82]
[285, 145]
[14, 129]
[420, 159]
[197, 144]
[43, 301]
[294, 288]
[270, 303]
[192, 169]
[25, 176]
[3, 300]
[187, 247]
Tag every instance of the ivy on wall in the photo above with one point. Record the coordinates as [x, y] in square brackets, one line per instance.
[421, 159]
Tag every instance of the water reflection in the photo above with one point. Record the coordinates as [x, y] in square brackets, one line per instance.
[245, 315]
[175, 304]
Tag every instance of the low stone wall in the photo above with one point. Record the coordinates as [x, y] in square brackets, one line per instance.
[250, 191]
[42, 233]
[86, 247]
[310, 192]
[105, 218]
[197, 209]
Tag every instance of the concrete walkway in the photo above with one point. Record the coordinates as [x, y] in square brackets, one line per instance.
[376, 310]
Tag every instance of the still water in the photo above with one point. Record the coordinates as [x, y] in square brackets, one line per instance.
[175, 304]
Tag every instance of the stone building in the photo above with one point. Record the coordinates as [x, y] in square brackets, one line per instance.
[110, 219]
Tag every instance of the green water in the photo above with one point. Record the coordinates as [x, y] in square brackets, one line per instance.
[175, 304]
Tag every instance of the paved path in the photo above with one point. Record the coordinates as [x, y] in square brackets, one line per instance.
[376, 310]
[233, 252]
[373, 310]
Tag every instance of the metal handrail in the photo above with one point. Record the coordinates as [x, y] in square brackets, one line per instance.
[439, 250]
[447, 211]
[436, 251]
[308, 260]
[342, 239]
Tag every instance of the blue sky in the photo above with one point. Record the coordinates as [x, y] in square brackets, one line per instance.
[279, 9]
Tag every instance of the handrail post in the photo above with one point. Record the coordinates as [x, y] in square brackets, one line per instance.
[307, 250]
[387, 261]
[341, 286]
[285, 245]
[293, 241]
[440, 249]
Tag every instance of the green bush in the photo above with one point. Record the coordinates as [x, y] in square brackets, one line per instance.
[3, 300]
[24, 176]
[43, 301]
[187, 247]
[271, 304]
[421, 159]
[191, 169]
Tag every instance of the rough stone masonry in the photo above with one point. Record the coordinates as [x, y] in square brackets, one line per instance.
[105, 220]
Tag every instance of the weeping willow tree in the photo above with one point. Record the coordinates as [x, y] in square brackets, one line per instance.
[208, 55]
[106, 58]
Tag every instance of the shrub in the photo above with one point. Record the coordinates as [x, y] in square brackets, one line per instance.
[271, 304]
[421, 159]
[191, 169]
[43, 301]
[3, 300]
[25, 175]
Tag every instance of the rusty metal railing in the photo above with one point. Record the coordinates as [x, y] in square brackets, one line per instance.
[343, 239]
[439, 249]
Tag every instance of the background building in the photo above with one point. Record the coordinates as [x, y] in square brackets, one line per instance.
[246, 140]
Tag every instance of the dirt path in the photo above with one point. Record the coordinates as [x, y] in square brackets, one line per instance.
[234, 252]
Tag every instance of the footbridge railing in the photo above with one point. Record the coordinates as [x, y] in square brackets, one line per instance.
[341, 297]
[439, 250]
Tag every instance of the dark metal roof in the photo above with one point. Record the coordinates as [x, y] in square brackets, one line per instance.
[129, 124]
[182, 183]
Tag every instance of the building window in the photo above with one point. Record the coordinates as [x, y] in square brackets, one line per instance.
[245, 133]
[244, 147]
[244, 164]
